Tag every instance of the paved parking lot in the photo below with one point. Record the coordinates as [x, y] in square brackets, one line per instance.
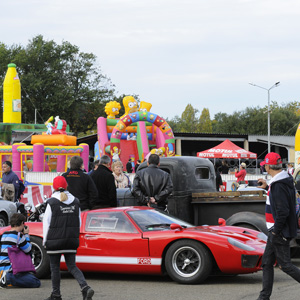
[138, 287]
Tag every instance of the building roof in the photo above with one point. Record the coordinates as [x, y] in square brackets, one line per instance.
[276, 140]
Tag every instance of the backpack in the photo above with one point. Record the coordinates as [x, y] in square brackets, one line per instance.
[21, 189]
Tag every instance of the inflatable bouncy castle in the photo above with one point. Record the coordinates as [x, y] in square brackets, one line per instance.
[135, 134]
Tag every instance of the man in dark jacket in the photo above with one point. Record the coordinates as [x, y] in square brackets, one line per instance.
[281, 223]
[80, 184]
[105, 183]
[129, 168]
[152, 186]
[10, 177]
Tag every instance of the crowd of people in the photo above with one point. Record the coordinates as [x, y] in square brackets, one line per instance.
[77, 191]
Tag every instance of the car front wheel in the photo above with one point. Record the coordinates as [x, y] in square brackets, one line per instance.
[3, 220]
[188, 262]
[40, 257]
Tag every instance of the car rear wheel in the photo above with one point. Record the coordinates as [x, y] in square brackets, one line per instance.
[40, 257]
[3, 220]
[188, 262]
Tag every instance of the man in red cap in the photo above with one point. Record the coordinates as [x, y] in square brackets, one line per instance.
[281, 223]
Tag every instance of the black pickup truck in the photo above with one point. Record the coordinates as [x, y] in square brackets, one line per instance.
[195, 199]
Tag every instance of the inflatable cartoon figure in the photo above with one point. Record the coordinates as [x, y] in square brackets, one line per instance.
[170, 150]
[160, 151]
[145, 106]
[112, 109]
[115, 154]
[49, 125]
[130, 105]
[60, 126]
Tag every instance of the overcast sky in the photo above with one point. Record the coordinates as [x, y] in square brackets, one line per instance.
[171, 53]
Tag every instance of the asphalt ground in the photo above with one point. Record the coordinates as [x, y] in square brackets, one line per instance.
[141, 287]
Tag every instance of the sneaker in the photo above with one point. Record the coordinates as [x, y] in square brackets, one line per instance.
[3, 283]
[54, 297]
[87, 293]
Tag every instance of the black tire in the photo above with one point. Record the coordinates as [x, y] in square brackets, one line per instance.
[246, 225]
[3, 220]
[40, 258]
[255, 220]
[188, 262]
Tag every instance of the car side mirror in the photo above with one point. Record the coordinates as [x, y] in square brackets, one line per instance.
[175, 226]
[221, 222]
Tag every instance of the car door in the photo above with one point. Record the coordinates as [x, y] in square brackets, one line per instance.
[110, 242]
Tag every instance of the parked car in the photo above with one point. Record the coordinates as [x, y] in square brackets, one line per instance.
[7, 209]
[146, 241]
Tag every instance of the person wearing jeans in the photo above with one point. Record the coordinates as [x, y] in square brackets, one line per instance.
[72, 268]
[281, 222]
[61, 226]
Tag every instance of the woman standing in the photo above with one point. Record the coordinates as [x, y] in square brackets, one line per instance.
[240, 176]
[121, 179]
[61, 225]
[224, 167]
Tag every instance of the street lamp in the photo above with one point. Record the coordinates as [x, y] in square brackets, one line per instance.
[269, 129]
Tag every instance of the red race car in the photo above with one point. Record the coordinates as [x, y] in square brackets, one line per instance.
[147, 241]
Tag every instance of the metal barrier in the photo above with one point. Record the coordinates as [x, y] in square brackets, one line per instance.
[231, 177]
[40, 177]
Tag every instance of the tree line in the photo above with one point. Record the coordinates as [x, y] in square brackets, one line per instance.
[59, 79]
[253, 120]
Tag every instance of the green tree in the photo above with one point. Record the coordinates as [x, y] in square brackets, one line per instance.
[175, 123]
[58, 80]
[254, 120]
[205, 124]
[189, 122]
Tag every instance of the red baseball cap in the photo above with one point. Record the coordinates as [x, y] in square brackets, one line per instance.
[272, 158]
[60, 182]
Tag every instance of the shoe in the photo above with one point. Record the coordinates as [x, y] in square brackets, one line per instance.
[87, 293]
[54, 297]
[3, 283]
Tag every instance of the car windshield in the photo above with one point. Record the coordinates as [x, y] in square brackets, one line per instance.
[149, 220]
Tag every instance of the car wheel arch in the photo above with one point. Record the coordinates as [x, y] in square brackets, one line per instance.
[256, 220]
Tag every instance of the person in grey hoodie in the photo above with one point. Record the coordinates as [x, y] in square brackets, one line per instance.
[281, 221]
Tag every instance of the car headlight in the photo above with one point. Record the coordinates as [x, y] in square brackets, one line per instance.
[262, 236]
[239, 244]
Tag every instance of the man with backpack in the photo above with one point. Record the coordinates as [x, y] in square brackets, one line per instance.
[281, 223]
[10, 178]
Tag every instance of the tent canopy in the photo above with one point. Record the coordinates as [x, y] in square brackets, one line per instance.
[227, 149]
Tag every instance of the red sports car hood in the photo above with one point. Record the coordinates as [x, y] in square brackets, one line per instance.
[239, 233]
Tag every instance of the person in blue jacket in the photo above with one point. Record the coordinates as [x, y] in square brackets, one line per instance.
[10, 177]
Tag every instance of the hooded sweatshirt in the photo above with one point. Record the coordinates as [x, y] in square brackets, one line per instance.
[280, 205]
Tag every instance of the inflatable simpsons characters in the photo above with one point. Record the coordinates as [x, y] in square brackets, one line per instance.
[136, 134]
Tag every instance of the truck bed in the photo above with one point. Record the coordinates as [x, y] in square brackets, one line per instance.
[229, 196]
[209, 207]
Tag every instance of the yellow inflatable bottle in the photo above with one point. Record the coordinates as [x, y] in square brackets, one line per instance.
[297, 139]
[11, 96]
